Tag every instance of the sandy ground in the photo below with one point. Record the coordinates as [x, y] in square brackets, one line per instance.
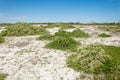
[25, 58]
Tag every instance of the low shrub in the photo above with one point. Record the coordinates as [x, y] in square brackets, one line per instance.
[62, 33]
[63, 43]
[23, 29]
[3, 76]
[46, 37]
[95, 60]
[113, 51]
[104, 35]
[79, 33]
[1, 39]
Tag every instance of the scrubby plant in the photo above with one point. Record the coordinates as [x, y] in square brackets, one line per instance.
[46, 37]
[94, 59]
[1, 39]
[63, 43]
[113, 51]
[88, 59]
[23, 29]
[79, 33]
[110, 28]
[62, 33]
[104, 35]
[3, 76]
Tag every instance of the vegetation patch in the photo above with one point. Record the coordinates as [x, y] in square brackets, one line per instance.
[3, 76]
[63, 43]
[94, 59]
[104, 35]
[1, 39]
[113, 51]
[110, 28]
[23, 29]
[46, 37]
[62, 33]
[79, 33]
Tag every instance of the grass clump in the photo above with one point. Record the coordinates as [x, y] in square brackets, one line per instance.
[95, 60]
[113, 51]
[3, 76]
[110, 28]
[79, 33]
[62, 33]
[46, 37]
[23, 29]
[104, 35]
[63, 43]
[1, 39]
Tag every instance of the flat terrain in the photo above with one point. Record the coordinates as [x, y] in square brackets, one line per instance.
[25, 58]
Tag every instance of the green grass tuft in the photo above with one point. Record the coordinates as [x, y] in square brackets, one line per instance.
[62, 33]
[23, 29]
[79, 33]
[63, 43]
[1, 39]
[104, 35]
[3, 76]
[46, 37]
[97, 59]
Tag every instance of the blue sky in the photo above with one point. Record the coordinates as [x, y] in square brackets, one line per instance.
[59, 11]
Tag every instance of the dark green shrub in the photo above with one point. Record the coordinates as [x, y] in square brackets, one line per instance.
[95, 60]
[1, 39]
[104, 35]
[23, 29]
[3, 76]
[62, 33]
[63, 43]
[79, 33]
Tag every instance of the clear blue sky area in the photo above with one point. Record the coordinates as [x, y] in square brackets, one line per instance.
[59, 11]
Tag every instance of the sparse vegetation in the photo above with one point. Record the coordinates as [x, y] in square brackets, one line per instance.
[63, 33]
[23, 29]
[94, 59]
[1, 39]
[114, 28]
[3, 76]
[79, 33]
[104, 35]
[63, 43]
[46, 37]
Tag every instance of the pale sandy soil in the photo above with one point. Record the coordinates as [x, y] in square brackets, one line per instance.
[25, 58]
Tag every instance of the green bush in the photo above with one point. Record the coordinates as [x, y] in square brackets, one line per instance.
[1, 39]
[88, 59]
[79, 33]
[113, 51]
[104, 35]
[3, 76]
[63, 43]
[96, 60]
[23, 29]
[46, 37]
[62, 33]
